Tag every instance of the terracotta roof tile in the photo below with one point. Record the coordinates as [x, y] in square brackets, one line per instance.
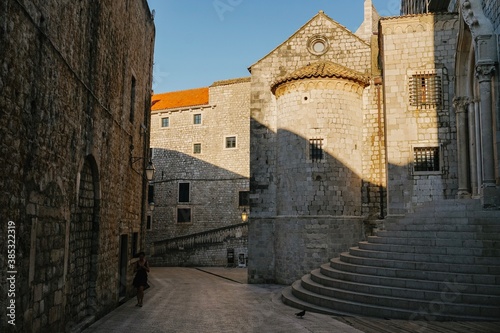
[322, 69]
[179, 99]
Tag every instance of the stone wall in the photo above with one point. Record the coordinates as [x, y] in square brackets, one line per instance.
[216, 175]
[345, 49]
[492, 11]
[408, 126]
[210, 255]
[304, 213]
[75, 82]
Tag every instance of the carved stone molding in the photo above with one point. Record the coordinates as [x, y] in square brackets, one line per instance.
[313, 84]
[474, 17]
[461, 104]
[484, 72]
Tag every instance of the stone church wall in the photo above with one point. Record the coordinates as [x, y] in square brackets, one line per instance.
[423, 44]
[75, 83]
[287, 240]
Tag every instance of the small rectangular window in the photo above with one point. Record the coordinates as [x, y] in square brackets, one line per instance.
[165, 122]
[197, 119]
[183, 192]
[426, 159]
[244, 198]
[197, 148]
[230, 142]
[149, 222]
[316, 149]
[425, 90]
[183, 215]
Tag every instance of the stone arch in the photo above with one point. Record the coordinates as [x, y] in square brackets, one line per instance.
[84, 243]
[475, 90]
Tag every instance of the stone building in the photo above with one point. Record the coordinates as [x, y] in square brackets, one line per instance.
[200, 148]
[317, 147]
[75, 95]
[412, 109]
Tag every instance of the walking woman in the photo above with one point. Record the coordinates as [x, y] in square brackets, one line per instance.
[141, 277]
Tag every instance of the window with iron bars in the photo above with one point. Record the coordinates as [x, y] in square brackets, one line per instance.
[426, 159]
[316, 149]
[425, 90]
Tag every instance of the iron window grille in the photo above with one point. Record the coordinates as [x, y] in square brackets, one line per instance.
[425, 90]
[316, 149]
[426, 159]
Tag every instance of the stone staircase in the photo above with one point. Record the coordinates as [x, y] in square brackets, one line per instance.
[441, 262]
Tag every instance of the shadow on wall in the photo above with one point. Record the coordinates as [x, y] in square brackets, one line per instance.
[310, 201]
[321, 175]
[193, 196]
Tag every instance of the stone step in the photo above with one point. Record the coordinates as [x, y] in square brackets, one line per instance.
[449, 291]
[402, 248]
[435, 242]
[455, 235]
[480, 279]
[447, 217]
[288, 298]
[401, 282]
[406, 303]
[424, 265]
[350, 306]
[485, 228]
[441, 262]
[432, 258]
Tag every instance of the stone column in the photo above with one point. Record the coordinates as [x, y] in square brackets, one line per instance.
[461, 105]
[484, 73]
[473, 147]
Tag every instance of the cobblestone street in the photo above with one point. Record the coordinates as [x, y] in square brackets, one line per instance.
[191, 300]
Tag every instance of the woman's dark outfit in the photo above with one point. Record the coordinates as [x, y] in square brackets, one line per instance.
[141, 276]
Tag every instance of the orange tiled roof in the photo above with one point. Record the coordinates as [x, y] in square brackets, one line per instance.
[179, 99]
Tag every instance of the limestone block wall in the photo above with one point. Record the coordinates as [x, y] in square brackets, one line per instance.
[344, 48]
[276, 176]
[75, 83]
[412, 45]
[214, 255]
[492, 11]
[330, 110]
[216, 175]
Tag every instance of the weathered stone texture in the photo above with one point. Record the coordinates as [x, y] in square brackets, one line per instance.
[408, 126]
[216, 175]
[290, 192]
[492, 11]
[66, 136]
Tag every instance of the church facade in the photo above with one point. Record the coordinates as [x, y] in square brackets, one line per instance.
[348, 129]
[386, 138]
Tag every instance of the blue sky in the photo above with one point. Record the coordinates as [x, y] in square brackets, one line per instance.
[202, 41]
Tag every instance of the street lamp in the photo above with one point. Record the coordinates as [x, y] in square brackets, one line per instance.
[151, 206]
[150, 171]
[244, 215]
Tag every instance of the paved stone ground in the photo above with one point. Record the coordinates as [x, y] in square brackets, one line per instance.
[191, 300]
[216, 300]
